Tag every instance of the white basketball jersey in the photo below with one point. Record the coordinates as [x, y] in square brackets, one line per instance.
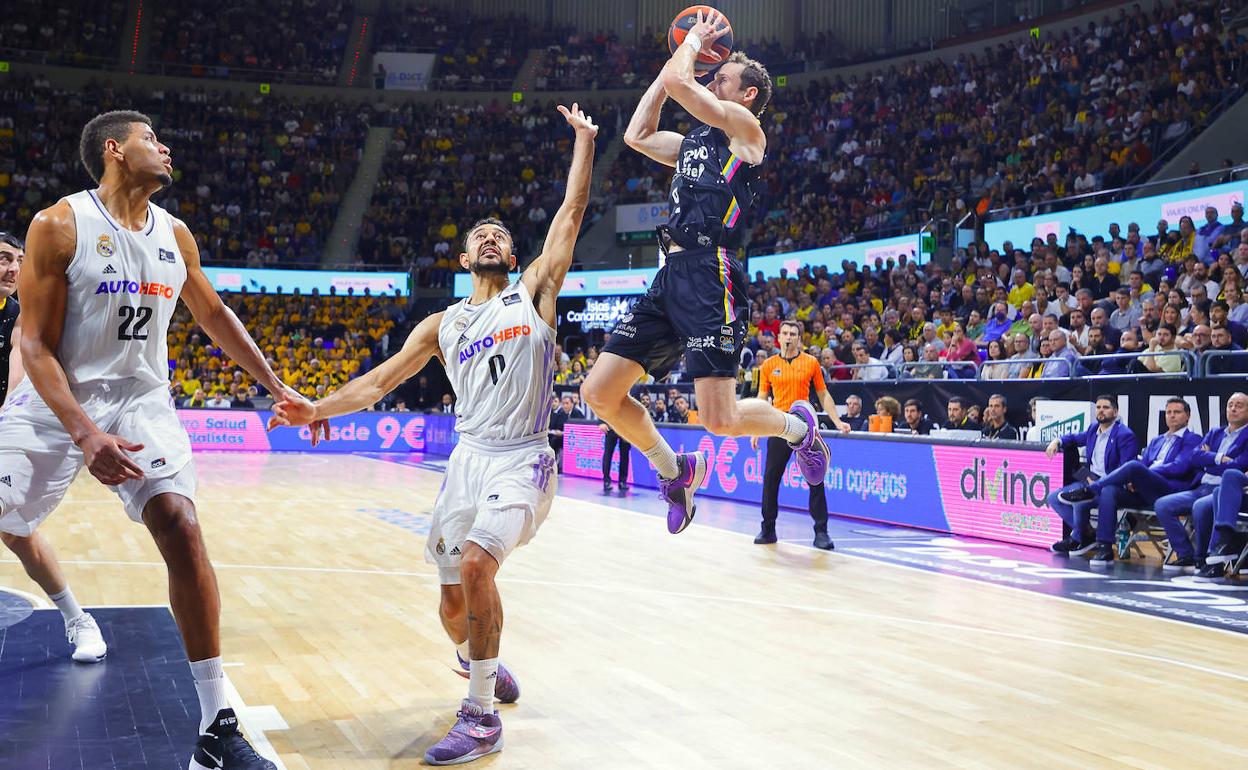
[500, 359]
[123, 288]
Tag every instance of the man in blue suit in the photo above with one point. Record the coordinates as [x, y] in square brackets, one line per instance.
[1221, 450]
[1108, 445]
[1218, 514]
[1164, 469]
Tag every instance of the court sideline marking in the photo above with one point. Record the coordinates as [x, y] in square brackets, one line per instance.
[723, 599]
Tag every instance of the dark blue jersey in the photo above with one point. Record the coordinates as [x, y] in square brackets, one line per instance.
[8, 319]
[713, 192]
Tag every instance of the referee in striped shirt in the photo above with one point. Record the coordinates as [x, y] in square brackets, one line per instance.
[784, 378]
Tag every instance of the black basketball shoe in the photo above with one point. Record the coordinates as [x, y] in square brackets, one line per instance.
[223, 747]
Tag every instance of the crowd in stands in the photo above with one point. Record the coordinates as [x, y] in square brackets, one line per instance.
[85, 33]
[281, 40]
[315, 343]
[1015, 125]
[1044, 310]
[450, 165]
[473, 53]
[1025, 310]
[258, 179]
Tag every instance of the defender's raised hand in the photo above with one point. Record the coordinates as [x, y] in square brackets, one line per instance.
[579, 120]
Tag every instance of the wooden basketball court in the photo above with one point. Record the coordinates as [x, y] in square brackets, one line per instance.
[637, 649]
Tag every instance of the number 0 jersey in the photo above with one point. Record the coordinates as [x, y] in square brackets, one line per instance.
[500, 358]
[713, 192]
[123, 288]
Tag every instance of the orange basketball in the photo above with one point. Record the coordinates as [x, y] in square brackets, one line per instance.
[680, 27]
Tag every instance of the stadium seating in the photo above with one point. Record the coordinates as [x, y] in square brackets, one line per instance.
[298, 41]
[451, 165]
[314, 343]
[474, 53]
[84, 34]
[263, 175]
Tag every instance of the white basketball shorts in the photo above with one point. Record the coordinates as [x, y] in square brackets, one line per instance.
[38, 461]
[494, 497]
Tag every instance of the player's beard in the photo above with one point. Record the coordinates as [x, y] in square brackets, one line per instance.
[491, 267]
[165, 179]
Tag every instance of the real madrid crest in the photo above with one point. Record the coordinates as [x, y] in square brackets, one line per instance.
[461, 324]
[104, 246]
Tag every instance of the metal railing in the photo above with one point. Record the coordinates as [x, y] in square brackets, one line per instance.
[890, 369]
[1209, 357]
[966, 367]
[1190, 364]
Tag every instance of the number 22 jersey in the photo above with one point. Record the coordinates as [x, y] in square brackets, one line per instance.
[123, 288]
[500, 359]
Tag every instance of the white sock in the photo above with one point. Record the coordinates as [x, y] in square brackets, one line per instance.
[67, 604]
[663, 457]
[462, 649]
[481, 677]
[795, 428]
[210, 686]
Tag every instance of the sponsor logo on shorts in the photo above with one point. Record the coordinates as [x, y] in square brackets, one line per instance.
[491, 498]
[726, 330]
[699, 343]
[6, 480]
[511, 299]
[167, 256]
[440, 548]
[144, 288]
[455, 551]
[104, 246]
[727, 344]
[159, 462]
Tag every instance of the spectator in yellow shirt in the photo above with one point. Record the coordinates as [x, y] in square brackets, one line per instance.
[1021, 291]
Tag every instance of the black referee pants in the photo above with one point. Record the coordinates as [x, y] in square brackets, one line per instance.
[778, 454]
[608, 449]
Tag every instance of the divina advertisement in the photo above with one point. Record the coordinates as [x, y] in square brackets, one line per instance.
[981, 490]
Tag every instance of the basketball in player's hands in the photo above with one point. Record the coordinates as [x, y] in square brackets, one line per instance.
[708, 24]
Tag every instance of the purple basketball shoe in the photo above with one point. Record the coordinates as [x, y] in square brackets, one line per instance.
[474, 735]
[812, 452]
[506, 688]
[678, 492]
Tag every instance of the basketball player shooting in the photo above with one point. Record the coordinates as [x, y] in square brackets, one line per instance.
[697, 304]
[104, 270]
[498, 348]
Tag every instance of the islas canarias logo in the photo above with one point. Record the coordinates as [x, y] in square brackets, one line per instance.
[1003, 486]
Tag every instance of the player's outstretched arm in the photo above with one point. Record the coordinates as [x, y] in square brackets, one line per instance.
[363, 392]
[544, 278]
[44, 289]
[677, 77]
[217, 319]
[643, 133]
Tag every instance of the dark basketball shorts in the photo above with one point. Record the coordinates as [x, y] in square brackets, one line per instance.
[696, 306]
